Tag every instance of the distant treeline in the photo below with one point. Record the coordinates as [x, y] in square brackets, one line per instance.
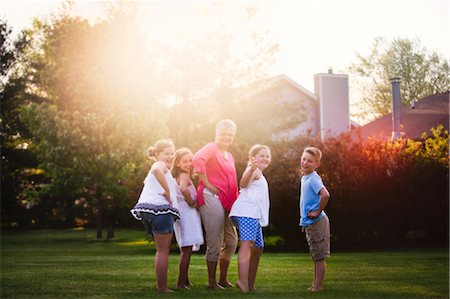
[383, 194]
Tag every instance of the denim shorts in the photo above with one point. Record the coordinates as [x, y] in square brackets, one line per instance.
[249, 230]
[157, 224]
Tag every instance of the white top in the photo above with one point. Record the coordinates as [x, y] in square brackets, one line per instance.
[253, 201]
[188, 231]
[152, 193]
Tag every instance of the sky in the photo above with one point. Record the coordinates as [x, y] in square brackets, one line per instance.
[312, 35]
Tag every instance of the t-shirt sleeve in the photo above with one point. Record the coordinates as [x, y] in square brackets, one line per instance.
[317, 184]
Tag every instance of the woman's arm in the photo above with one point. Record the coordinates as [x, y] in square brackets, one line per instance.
[202, 157]
[208, 185]
[199, 163]
[158, 170]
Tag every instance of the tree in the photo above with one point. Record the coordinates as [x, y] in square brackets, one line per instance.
[18, 163]
[84, 156]
[422, 74]
[101, 109]
[8, 55]
[204, 74]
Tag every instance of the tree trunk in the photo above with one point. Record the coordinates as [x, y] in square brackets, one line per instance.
[99, 220]
[110, 234]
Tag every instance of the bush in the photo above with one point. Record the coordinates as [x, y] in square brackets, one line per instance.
[383, 194]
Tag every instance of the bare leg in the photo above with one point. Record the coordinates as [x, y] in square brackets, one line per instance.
[314, 278]
[163, 242]
[223, 279]
[188, 282]
[244, 254]
[319, 275]
[212, 282]
[183, 268]
[253, 269]
[230, 241]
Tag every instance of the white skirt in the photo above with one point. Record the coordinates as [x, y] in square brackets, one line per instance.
[188, 230]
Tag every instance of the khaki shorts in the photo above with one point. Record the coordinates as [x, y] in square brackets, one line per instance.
[318, 237]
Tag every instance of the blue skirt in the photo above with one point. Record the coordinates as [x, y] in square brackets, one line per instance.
[155, 210]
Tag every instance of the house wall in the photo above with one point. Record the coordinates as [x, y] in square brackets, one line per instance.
[291, 93]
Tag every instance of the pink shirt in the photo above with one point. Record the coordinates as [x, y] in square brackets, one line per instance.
[221, 173]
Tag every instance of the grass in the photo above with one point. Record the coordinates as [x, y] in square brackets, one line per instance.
[71, 264]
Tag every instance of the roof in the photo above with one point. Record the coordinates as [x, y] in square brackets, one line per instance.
[428, 113]
[295, 84]
[271, 82]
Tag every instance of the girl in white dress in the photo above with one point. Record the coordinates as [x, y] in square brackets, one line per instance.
[250, 212]
[188, 231]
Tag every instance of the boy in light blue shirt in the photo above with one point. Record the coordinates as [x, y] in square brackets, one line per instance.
[314, 197]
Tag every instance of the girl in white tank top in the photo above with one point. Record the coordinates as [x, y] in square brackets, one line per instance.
[250, 212]
[157, 207]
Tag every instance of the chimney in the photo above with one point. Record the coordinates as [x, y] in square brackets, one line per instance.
[396, 108]
[334, 108]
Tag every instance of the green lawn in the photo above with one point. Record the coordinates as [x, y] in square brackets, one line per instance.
[70, 264]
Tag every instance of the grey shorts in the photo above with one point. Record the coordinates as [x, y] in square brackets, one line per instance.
[318, 237]
[157, 224]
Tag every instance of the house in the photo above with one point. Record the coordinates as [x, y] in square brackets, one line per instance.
[425, 114]
[324, 112]
[276, 108]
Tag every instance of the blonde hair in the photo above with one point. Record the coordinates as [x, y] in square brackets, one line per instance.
[314, 151]
[255, 150]
[225, 123]
[176, 171]
[159, 147]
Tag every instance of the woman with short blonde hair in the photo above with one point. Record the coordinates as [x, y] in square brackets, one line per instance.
[217, 191]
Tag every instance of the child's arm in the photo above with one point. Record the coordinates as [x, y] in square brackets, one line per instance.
[248, 176]
[324, 197]
[158, 171]
[184, 187]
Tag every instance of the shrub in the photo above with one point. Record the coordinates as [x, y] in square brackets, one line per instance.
[383, 193]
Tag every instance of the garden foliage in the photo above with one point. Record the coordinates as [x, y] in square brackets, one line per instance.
[383, 193]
